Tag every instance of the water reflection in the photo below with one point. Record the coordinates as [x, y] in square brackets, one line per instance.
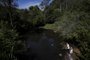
[41, 46]
[44, 47]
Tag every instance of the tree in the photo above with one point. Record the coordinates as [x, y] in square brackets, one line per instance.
[9, 7]
[44, 4]
[73, 23]
[8, 39]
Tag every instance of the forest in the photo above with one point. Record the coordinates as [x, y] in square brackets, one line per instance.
[52, 23]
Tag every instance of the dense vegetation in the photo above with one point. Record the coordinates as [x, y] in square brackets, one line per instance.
[69, 18]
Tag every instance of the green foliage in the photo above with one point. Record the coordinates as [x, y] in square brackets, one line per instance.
[73, 24]
[34, 17]
[8, 39]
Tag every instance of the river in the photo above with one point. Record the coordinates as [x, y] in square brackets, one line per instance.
[41, 45]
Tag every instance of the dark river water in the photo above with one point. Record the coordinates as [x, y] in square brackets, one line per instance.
[41, 46]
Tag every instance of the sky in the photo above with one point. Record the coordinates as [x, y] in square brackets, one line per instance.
[27, 3]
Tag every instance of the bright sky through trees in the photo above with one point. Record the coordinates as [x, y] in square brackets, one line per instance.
[27, 3]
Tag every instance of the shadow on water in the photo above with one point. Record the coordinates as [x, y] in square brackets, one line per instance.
[40, 45]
